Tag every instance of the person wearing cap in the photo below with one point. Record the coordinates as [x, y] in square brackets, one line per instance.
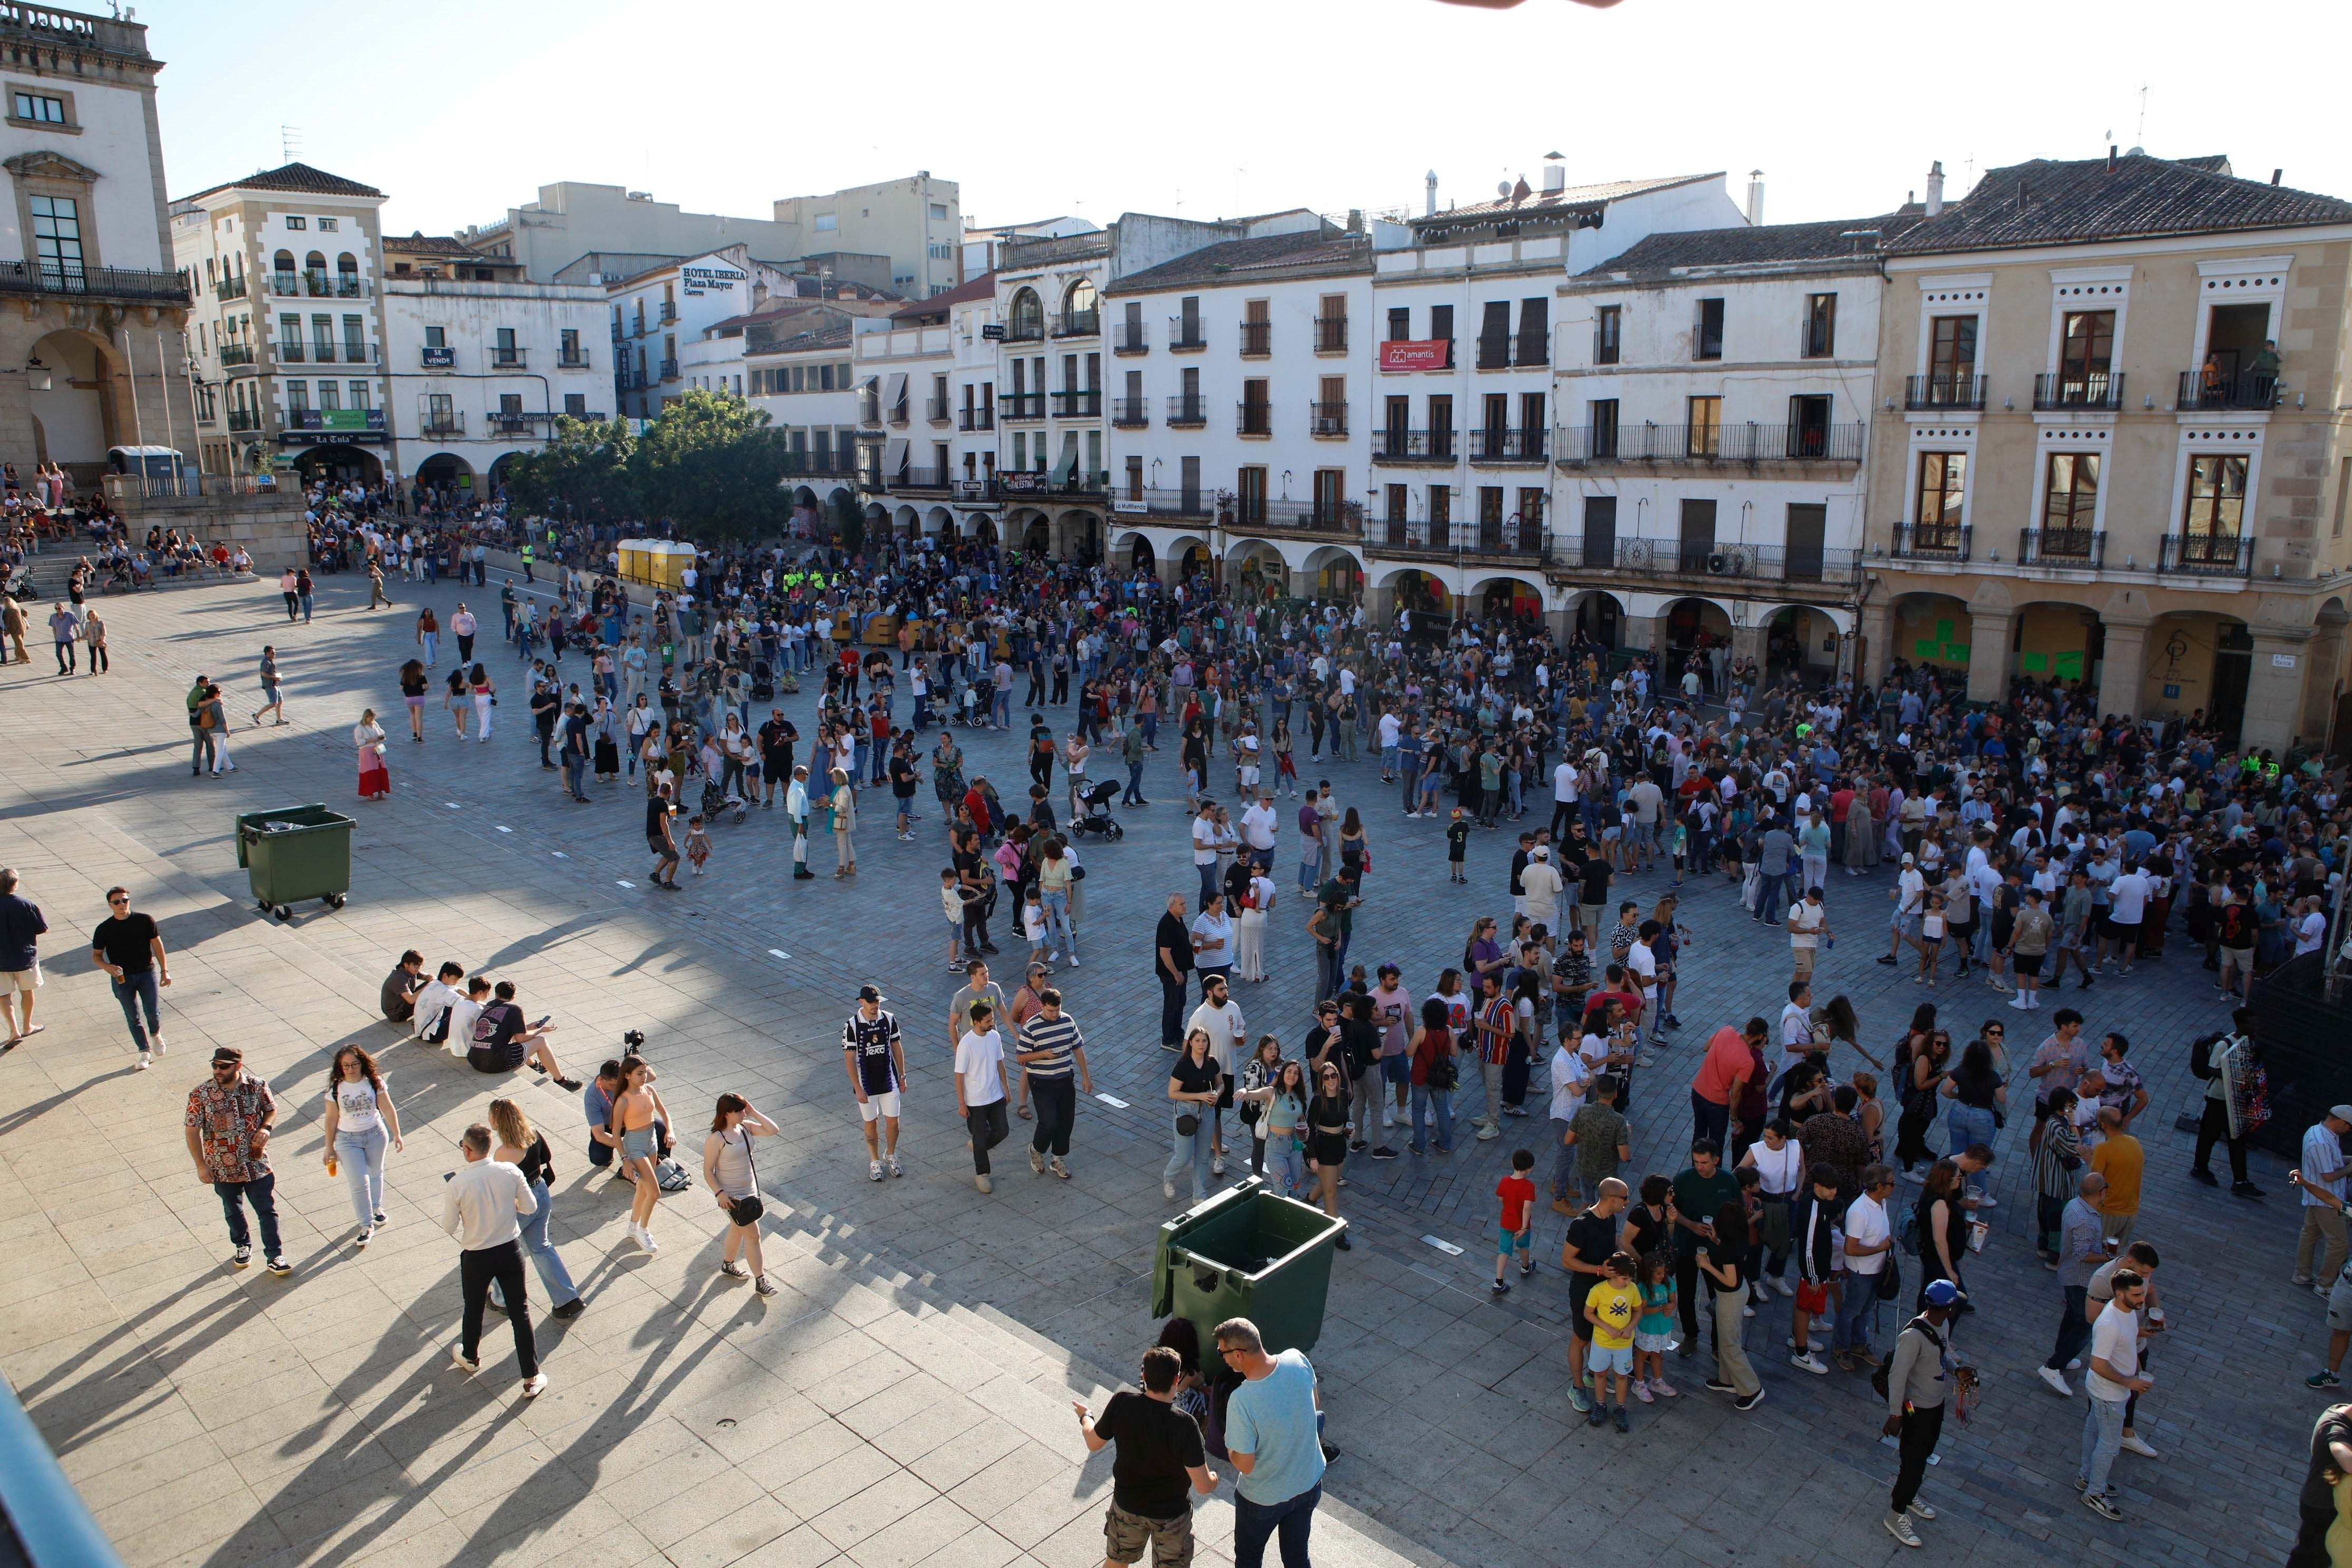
[2320, 1179]
[877, 1063]
[1540, 888]
[1910, 896]
[227, 1130]
[1918, 1381]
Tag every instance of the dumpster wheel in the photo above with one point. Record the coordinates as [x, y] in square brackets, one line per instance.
[334, 900]
[283, 913]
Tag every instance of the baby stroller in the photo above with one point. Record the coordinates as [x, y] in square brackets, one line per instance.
[1096, 817]
[716, 800]
[763, 681]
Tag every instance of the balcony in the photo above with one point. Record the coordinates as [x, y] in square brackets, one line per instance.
[1505, 539]
[1184, 337]
[230, 288]
[1943, 389]
[2244, 393]
[1187, 413]
[668, 311]
[1257, 339]
[1013, 407]
[1326, 421]
[290, 353]
[241, 420]
[1078, 324]
[1934, 541]
[668, 371]
[1495, 445]
[125, 283]
[618, 334]
[1601, 446]
[1192, 505]
[576, 360]
[1128, 339]
[1394, 444]
[442, 427]
[1495, 353]
[2073, 549]
[1025, 332]
[896, 412]
[1254, 419]
[978, 419]
[1330, 335]
[1017, 486]
[236, 353]
[1262, 515]
[2093, 391]
[821, 464]
[1684, 561]
[935, 410]
[509, 359]
[1080, 404]
[1130, 413]
[919, 477]
[2208, 554]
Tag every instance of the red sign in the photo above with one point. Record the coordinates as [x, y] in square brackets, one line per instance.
[1429, 353]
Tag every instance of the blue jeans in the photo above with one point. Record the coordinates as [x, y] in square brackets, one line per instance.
[1192, 1150]
[1134, 784]
[1000, 715]
[553, 1276]
[131, 991]
[1772, 898]
[234, 1196]
[1563, 1164]
[1256, 1523]
[361, 1156]
[1429, 1103]
[1285, 1164]
[1968, 1124]
[1057, 916]
[1857, 1312]
[1307, 869]
[1210, 882]
[2103, 1440]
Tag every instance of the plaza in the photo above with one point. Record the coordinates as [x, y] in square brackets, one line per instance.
[905, 1399]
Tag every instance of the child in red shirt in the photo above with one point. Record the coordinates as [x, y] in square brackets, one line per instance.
[1516, 1230]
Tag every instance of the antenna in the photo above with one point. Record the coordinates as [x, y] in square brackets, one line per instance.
[289, 142]
[2140, 138]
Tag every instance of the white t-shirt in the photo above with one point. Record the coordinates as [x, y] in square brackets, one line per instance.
[1865, 1222]
[1809, 918]
[1641, 960]
[1204, 842]
[979, 1057]
[1563, 783]
[431, 1002]
[2115, 1339]
[2311, 933]
[462, 1014]
[1914, 890]
[1389, 731]
[2127, 898]
[355, 1104]
[1260, 897]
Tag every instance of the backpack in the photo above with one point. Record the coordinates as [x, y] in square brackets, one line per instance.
[1878, 1383]
[1442, 1074]
[2200, 1053]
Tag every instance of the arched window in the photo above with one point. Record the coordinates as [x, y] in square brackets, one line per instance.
[1028, 317]
[314, 262]
[1081, 297]
[347, 262]
[347, 276]
[283, 263]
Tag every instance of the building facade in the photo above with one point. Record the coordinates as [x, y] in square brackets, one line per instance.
[926, 390]
[94, 334]
[2108, 446]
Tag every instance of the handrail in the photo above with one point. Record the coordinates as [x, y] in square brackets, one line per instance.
[51, 1522]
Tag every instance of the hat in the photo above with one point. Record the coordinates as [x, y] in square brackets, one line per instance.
[1538, 853]
[1909, 859]
[869, 993]
[2341, 1113]
[1941, 1293]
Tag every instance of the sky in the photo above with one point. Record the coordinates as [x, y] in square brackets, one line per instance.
[458, 109]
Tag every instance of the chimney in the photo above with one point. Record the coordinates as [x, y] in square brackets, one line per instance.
[1756, 197]
[1355, 220]
[1935, 188]
[2022, 193]
[1554, 174]
[2111, 157]
[1429, 184]
[2274, 175]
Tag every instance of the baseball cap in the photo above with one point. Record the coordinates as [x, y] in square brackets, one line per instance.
[1909, 859]
[2341, 1113]
[1941, 1293]
[869, 993]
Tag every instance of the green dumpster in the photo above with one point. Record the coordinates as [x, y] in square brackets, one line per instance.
[294, 853]
[1247, 1253]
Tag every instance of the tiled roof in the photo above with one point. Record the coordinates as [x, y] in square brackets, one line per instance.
[1237, 260]
[300, 178]
[980, 288]
[2083, 202]
[1571, 199]
[835, 336]
[422, 244]
[1750, 246]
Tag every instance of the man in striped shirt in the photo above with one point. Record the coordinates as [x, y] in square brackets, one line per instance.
[876, 1061]
[1053, 1057]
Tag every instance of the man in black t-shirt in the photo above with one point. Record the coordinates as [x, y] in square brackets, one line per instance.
[398, 997]
[544, 706]
[503, 1042]
[777, 738]
[1159, 1454]
[876, 1062]
[1172, 963]
[130, 949]
[902, 786]
[1592, 1237]
[659, 838]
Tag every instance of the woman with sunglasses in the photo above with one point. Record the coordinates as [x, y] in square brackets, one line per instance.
[1327, 1139]
[359, 1121]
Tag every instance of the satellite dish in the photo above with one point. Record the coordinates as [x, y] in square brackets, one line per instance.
[1502, 187]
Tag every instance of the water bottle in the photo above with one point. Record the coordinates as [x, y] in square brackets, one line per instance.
[1830, 942]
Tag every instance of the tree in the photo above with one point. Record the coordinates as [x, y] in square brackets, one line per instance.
[712, 465]
[585, 471]
[849, 522]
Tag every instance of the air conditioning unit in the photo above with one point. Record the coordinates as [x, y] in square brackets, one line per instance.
[1719, 565]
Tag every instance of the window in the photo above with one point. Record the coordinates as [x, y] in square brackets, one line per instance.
[1706, 334]
[355, 340]
[1809, 426]
[2070, 501]
[1697, 541]
[575, 405]
[1531, 424]
[826, 223]
[40, 109]
[1250, 488]
[1257, 328]
[1495, 335]
[1602, 416]
[509, 404]
[1534, 347]
[503, 347]
[1943, 481]
[1397, 499]
[1441, 322]
[1608, 334]
[437, 337]
[298, 397]
[56, 235]
[1952, 356]
[2085, 353]
[1808, 527]
[1257, 418]
[330, 397]
[1134, 491]
[1400, 324]
[939, 212]
[290, 337]
[1706, 426]
[1498, 415]
[329, 225]
[1600, 530]
[1028, 317]
[1441, 511]
[1821, 326]
[298, 223]
[362, 394]
[2217, 502]
[570, 345]
[1331, 491]
[1490, 512]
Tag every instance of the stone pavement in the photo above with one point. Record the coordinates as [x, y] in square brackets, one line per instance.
[315, 1418]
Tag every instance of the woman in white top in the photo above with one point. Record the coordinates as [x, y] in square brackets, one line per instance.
[359, 1121]
[641, 719]
[734, 1180]
[1249, 935]
[1778, 1162]
[375, 779]
[1075, 753]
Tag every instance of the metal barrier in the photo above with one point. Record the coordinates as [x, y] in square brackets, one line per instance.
[51, 1523]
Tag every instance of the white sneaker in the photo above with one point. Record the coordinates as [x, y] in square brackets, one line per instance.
[874, 1170]
[1387, 1116]
[2023, 1004]
[533, 1385]
[1809, 1362]
[360, 1240]
[156, 1040]
[145, 1061]
[1167, 1188]
[2056, 1380]
[1073, 961]
[457, 1354]
[896, 1168]
[2134, 1444]
[983, 1184]
[1988, 1202]
[1217, 1165]
[645, 1239]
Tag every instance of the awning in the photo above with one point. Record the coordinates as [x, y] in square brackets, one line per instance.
[1069, 463]
[894, 390]
[894, 457]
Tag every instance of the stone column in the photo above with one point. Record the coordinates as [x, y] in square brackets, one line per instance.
[2274, 691]
[1747, 642]
[1877, 631]
[2122, 666]
[1990, 634]
[2325, 662]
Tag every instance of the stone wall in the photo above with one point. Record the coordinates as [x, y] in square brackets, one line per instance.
[270, 526]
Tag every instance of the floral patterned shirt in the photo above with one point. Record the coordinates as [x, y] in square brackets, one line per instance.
[226, 1119]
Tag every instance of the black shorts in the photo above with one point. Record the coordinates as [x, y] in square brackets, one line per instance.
[2027, 964]
[1576, 1296]
[2117, 930]
[661, 849]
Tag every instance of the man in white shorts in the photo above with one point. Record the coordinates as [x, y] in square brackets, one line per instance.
[877, 1075]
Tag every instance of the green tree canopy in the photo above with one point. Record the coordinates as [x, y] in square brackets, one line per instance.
[709, 464]
[586, 469]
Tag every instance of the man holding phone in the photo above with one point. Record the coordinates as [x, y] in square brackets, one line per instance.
[503, 1042]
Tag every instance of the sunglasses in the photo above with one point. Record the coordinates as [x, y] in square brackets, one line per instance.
[118, 900]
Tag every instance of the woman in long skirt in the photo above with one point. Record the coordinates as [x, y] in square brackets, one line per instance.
[375, 779]
[1861, 836]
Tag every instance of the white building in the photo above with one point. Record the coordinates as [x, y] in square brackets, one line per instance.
[481, 361]
[1238, 436]
[667, 309]
[927, 392]
[96, 333]
[1714, 391]
[984, 244]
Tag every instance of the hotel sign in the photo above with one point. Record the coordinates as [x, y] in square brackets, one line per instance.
[710, 280]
